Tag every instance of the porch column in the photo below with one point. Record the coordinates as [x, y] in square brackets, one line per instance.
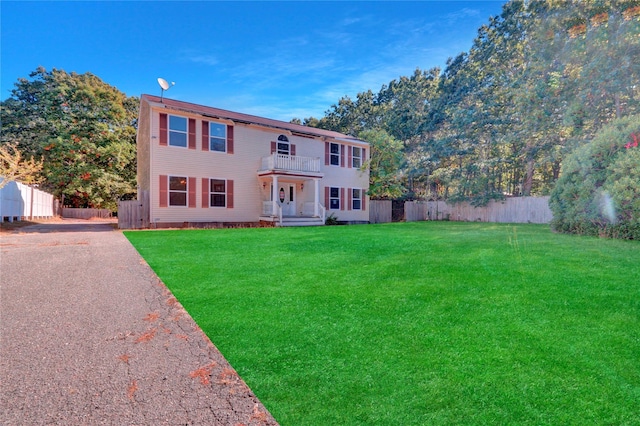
[274, 196]
[316, 198]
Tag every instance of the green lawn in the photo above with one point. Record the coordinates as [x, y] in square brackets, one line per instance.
[429, 323]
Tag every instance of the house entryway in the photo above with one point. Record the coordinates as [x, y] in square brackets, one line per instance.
[291, 202]
[287, 199]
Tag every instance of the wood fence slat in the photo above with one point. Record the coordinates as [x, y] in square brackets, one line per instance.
[380, 211]
[511, 210]
[134, 214]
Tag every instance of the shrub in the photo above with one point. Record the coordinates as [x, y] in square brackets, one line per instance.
[598, 192]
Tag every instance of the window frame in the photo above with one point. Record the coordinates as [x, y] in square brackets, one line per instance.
[172, 131]
[171, 191]
[355, 157]
[213, 193]
[213, 137]
[334, 200]
[282, 139]
[355, 199]
[334, 155]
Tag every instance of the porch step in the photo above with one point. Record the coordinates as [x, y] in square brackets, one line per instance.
[302, 221]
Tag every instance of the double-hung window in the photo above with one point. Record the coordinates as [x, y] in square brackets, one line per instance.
[334, 198]
[283, 147]
[334, 153]
[217, 193]
[356, 160]
[356, 199]
[178, 131]
[217, 137]
[177, 190]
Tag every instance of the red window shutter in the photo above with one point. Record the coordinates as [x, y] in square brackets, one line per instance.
[229, 139]
[341, 198]
[341, 155]
[326, 197]
[229, 193]
[327, 154]
[163, 130]
[192, 133]
[364, 156]
[273, 147]
[349, 198]
[364, 199]
[293, 149]
[192, 192]
[164, 181]
[205, 136]
[349, 156]
[205, 193]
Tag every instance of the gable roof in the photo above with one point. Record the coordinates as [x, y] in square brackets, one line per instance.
[248, 119]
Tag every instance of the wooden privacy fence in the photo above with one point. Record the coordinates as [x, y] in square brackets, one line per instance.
[415, 211]
[510, 210]
[19, 201]
[74, 213]
[380, 211]
[134, 214]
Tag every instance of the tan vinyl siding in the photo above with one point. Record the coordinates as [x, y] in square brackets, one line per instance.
[250, 144]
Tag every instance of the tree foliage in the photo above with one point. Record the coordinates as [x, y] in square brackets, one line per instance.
[540, 80]
[385, 161]
[84, 130]
[13, 167]
[599, 190]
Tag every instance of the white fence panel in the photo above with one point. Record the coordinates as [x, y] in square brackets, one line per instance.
[18, 201]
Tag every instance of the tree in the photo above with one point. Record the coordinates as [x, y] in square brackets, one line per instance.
[598, 191]
[83, 128]
[13, 167]
[384, 164]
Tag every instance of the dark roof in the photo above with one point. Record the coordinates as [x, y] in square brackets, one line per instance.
[247, 118]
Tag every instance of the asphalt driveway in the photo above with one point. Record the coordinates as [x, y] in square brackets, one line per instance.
[89, 335]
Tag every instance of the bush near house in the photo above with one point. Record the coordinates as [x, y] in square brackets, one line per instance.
[598, 192]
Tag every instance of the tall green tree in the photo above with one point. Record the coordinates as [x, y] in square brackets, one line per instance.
[384, 164]
[540, 80]
[83, 128]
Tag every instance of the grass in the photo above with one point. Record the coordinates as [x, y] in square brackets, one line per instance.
[433, 323]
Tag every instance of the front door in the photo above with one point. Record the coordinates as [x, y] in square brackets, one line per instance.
[287, 199]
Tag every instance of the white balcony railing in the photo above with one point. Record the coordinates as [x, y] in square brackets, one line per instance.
[291, 163]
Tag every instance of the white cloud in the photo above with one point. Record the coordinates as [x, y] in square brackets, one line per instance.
[199, 57]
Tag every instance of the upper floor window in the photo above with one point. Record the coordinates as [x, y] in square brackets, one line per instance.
[178, 131]
[356, 160]
[334, 153]
[217, 137]
[177, 190]
[283, 146]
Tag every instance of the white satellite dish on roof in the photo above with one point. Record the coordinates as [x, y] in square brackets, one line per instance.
[164, 85]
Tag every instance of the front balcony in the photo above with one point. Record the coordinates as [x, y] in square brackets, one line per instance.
[281, 163]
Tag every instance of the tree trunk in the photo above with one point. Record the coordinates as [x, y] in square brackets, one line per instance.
[528, 178]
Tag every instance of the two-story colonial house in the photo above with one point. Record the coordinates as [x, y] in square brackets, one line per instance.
[202, 165]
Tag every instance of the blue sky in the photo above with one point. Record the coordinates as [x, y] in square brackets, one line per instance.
[273, 59]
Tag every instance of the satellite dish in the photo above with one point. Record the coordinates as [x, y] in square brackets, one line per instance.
[164, 85]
